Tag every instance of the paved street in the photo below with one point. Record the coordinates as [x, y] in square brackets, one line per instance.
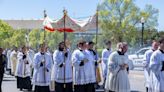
[136, 81]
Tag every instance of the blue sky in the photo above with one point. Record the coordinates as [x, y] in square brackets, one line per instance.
[33, 9]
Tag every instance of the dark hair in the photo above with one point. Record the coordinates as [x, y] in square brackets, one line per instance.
[23, 46]
[61, 43]
[161, 40]
[81, 42]
[108, 42]
[90, 42]
[41, 45]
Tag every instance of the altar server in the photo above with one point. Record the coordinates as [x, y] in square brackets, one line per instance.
[157, 68]
[105, 55]
[23, 70]
[13, 60]
[83, 69]
[42, 67]
[147, 56]
[62, 69]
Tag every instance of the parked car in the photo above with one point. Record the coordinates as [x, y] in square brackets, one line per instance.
[138, 57]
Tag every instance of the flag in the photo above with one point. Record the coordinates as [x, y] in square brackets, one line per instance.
[47, 24]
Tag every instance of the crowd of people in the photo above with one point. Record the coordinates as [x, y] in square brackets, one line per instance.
[81, 70]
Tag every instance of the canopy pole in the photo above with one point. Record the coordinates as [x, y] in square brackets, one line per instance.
[96, 29]
[44, 43]
[65, 14]
[45, 15]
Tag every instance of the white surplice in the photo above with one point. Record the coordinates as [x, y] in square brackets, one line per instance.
[57, 71]
[156, 75]
[117, 79]
[82, 74]
[147, 56]
[42, 73]
[23, 66]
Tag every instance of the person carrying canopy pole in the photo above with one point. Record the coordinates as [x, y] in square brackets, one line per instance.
[58, 69]
[42, 68]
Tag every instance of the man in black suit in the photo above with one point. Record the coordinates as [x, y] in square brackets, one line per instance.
[2, 66]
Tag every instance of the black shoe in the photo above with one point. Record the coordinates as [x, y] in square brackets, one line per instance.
[21, 89]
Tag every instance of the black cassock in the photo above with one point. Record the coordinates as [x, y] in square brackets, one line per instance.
[85, 88]
[42, 89]
[24, 83]
[59, 87]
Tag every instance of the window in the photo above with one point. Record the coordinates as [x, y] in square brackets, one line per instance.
[142, 51]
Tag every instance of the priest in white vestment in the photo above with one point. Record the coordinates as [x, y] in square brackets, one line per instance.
[117, 76]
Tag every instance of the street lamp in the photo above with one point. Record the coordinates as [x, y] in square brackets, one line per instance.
[142, 22]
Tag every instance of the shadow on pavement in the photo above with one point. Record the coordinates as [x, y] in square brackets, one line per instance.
[135, 91]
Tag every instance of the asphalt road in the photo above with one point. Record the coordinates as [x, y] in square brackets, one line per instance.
[136, 78]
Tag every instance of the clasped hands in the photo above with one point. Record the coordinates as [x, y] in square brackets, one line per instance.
[123, 66]
[42, 62]
[83, 61]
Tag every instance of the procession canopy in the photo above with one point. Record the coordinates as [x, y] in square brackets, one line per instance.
[91, 23]
[74, 25]
[70, 25]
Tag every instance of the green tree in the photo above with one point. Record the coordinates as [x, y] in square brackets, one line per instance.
[161, 33]
[18, 38]
[5, 33]
[53, 38]
[120, 20]
[34, 38]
